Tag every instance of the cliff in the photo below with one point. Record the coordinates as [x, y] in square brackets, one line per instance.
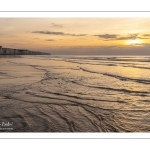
[10, 51]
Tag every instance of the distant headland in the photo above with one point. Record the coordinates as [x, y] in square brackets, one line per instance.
[11, 51]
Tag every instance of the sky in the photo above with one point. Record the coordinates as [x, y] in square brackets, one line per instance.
[77, 36]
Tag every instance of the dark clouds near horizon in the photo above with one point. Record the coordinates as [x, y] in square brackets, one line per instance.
[102, 50]
[57, 33]
[133, 49]
[109, 37]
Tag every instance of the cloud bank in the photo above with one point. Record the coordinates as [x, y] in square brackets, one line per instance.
[101, 50]
[57, 33]
[109, 37]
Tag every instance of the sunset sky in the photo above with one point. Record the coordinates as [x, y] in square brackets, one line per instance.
[115, 36]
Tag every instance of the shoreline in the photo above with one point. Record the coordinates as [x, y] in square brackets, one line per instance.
[10, 56]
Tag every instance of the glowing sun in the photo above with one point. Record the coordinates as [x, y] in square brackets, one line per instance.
[133, 42]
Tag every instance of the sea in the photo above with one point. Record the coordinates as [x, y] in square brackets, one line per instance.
[64, 93]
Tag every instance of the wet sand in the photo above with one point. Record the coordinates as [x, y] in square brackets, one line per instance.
[52, 94]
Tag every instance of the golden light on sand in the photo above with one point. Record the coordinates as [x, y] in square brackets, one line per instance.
[134, 42]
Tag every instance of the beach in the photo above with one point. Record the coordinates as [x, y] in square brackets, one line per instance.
[74, 93]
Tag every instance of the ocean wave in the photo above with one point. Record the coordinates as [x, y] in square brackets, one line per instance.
[117, 76]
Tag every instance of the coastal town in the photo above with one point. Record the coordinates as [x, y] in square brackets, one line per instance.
[11, 51]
